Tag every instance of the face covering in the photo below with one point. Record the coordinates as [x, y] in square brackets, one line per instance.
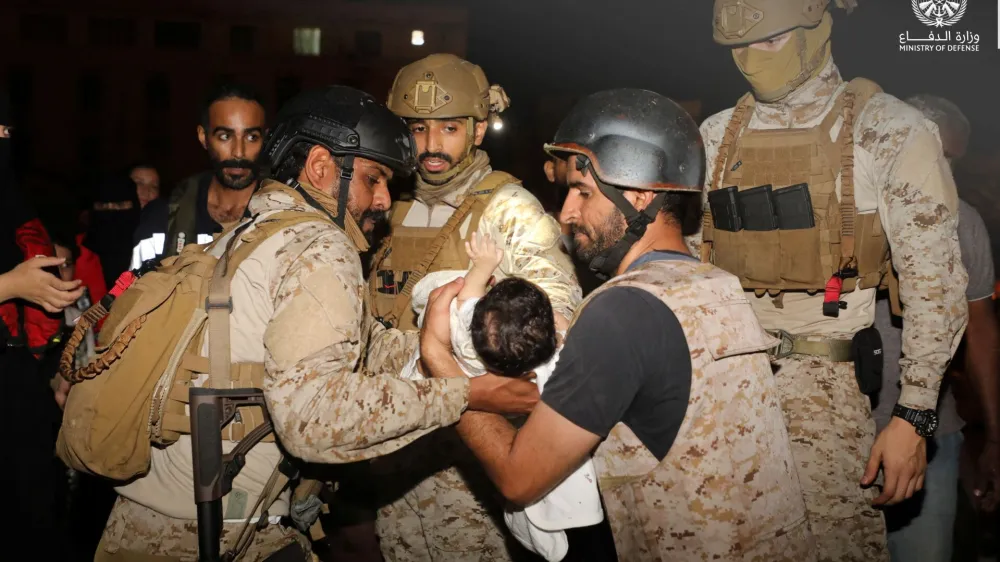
[775, 74]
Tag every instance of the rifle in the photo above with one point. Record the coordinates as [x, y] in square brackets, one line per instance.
[211, 410]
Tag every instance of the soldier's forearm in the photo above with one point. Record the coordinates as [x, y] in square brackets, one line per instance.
[389, 349]
[354, 417]
[932, 283]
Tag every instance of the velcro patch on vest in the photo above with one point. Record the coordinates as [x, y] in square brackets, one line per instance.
[387, 284]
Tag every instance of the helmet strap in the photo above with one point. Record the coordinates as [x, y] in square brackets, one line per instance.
[346, 174]
[605, 264]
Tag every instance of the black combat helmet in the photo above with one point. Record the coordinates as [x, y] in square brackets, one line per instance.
[348, 123]
[632, 139]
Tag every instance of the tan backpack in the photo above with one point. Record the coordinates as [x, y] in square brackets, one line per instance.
[135, 392]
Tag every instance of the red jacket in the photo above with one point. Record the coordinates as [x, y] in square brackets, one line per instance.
[39, 326]
[88, 270]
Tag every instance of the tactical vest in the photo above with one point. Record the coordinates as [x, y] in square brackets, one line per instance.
[727, 489]
[411, 252]
[835, 242]
[182, 214]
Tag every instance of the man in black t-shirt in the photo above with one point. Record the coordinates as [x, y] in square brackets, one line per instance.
[231, 130]
[664, 371]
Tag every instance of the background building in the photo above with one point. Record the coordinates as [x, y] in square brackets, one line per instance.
[96, 85]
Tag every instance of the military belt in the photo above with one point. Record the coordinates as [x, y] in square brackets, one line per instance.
[836, 350]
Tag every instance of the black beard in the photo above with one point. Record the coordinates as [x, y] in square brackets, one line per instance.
[600, 239]
[380, 224]
[236, 184]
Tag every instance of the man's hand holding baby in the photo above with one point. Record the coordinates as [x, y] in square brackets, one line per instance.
[490, 393]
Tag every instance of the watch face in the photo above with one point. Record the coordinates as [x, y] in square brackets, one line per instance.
[926, 423]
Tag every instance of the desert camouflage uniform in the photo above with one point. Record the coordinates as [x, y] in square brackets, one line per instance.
[727, 489]
[901, 174]
[299, 306]
[440, 505]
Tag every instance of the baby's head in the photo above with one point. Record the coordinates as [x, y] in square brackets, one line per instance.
[513, 329]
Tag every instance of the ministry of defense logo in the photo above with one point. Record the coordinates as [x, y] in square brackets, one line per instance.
[939, 13]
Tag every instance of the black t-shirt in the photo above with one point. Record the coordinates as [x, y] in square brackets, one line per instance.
[625, 360]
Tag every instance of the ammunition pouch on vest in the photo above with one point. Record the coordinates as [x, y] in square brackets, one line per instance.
[412, 252]
[774, 218]
[135, 392]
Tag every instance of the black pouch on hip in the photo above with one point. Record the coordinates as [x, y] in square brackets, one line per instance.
[866, 348]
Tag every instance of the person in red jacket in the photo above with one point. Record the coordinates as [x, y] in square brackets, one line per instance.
[33, 476]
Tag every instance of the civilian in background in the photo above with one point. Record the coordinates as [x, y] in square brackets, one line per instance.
[921, 528]
[231, 130]
[32, 475]
[114, 217]
[147, 183]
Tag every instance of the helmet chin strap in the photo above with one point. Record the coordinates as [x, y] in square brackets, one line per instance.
[605, 264]
[441, 178]
[346, 174]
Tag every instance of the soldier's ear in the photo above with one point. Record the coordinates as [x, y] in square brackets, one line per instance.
[550, 171]
[640, 199]
[202, 138]
[481, 127]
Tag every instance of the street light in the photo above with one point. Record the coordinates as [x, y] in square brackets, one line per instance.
[417, 37]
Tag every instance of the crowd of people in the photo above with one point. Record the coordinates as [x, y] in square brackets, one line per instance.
[731, 343]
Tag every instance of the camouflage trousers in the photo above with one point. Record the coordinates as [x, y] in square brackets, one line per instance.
[443, 508]
[831, 430]
[138, 534]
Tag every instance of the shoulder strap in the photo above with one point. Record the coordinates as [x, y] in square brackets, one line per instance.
[182, 215]
[483, 192]
[739, 121]
[219, 302]
[855, 96]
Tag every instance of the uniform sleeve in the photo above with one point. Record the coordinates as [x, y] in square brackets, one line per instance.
[918, 208]
[531, 242]
[326, 408]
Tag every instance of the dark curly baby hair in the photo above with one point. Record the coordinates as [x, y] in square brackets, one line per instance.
[513, 329]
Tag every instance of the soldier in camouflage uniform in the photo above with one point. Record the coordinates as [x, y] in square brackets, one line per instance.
[299, 308]
[664, 368]
[443, 507]
[844, 173]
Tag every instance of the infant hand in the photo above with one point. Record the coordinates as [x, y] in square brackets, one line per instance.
[483, 251]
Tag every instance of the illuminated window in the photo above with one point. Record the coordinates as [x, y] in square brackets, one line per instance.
[417, 37]
[306, 41]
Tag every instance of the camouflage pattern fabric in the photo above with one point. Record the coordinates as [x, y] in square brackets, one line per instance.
[901, 174]
[831, 427]
[139, 534]
[326, 407]
[447, 509]
[727, 489]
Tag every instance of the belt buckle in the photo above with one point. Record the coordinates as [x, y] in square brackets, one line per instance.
[784, 348]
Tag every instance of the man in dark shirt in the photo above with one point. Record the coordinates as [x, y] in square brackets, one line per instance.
[690, 467]
[232, 131]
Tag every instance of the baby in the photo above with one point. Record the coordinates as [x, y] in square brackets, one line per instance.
[510, 330]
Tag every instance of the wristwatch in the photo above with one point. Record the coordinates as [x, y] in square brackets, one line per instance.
[925, 421]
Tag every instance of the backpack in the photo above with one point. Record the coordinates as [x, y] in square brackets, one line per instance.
[134, 393]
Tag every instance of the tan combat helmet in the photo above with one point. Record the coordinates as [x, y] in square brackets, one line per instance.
[741, 22]
[444, 86]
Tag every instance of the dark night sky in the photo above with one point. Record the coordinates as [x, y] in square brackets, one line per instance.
[580, 46]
